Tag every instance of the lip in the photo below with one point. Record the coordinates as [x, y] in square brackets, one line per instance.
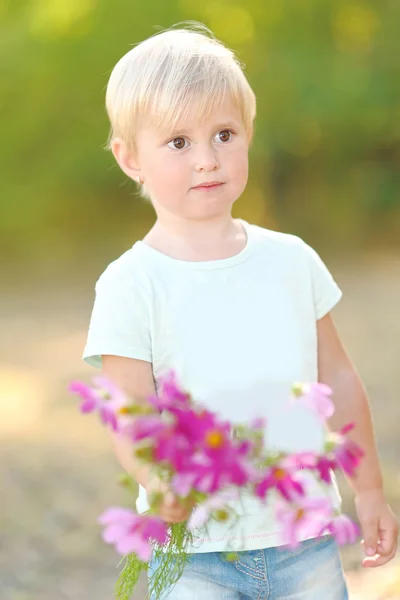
[208, 185]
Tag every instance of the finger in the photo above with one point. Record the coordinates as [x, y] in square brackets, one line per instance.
[170, 519]
[370, 530]
[377, 560]
[387, 542]
[173, 502]
[173, 517]
[170, 500]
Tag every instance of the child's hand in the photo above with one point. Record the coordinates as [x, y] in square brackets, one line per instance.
[379, 527]
[170, 507]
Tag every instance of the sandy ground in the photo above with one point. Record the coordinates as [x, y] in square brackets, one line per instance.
[57, 470]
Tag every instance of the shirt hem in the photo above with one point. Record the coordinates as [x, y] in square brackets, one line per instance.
[93, 357]
[329, 305]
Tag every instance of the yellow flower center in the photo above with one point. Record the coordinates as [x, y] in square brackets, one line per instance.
[299, 514]
[221, 515]
[214, 439]
[279, 474]
[297, 390]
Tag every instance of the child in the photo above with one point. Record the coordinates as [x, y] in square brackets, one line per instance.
[238, 311]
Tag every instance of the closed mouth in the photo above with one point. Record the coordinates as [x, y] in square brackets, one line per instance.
[208, 185]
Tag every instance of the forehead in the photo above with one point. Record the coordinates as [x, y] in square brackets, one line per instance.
[197, 115]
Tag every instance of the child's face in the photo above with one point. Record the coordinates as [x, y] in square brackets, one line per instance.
[172, 164]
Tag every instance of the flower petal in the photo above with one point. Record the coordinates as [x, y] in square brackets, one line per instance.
[134, 543]
[113, 533]
[88, 405]
[199, 516]
[117, 515]
[183, 483]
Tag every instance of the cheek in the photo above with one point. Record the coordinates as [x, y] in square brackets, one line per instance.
[166, 171]
[239, 164]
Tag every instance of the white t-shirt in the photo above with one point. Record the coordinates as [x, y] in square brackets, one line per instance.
[238, 332]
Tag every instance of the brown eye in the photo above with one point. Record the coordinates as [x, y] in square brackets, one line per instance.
[178, 143]
[224, 135]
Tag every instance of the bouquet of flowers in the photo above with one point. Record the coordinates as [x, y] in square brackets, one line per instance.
[209, 462]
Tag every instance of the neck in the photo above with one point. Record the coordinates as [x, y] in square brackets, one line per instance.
[197, 240]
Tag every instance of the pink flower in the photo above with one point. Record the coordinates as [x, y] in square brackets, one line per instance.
[300, 461]
[221, 461]
[314, 396]
[183, 483]
[313, 462]
[216, 459]
[283, 481]
[343, 529]
[184, 433]
[324, 466]
[194, 442]
[303, 519]
[258, 423]
[90, 401]
[348, 454]
[130, 532]
[202, 512]
[343, 452]
[106, 398]
[230, 466]
[146, 426]
[169, 393]
[197, 443]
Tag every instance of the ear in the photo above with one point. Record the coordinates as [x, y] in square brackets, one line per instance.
[126, 159]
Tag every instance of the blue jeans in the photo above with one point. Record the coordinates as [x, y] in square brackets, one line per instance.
[312, 571]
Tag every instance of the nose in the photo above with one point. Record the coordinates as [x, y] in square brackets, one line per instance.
[206, 160]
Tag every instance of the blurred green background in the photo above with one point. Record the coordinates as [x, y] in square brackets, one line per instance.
[325, 160]
[324, 165]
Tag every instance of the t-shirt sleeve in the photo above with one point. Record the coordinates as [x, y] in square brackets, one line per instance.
[119, 324]
[326, 292]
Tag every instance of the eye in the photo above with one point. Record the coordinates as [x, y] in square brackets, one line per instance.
[178, 143]
[224, 135]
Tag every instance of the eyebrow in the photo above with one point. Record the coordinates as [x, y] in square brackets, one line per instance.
[218, 126]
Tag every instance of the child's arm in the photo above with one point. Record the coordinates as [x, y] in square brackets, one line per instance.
[135, 377]
[336, 370]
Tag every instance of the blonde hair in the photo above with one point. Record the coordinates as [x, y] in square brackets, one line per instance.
[162, 78]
